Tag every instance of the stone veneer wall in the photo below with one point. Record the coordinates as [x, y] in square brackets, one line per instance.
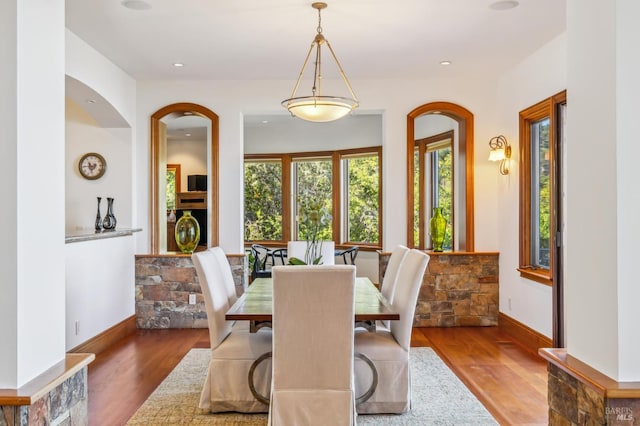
[66, 404]
[572, 402]
[163, 284]
[458, 289]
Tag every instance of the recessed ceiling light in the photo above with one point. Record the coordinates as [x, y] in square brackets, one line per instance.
[187, 134]
[265, 121]
[445, 62]
[504, 5]
[136, 4]
[178, 64]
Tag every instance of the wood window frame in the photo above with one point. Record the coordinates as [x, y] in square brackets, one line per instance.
[547, 108]
[336, 208]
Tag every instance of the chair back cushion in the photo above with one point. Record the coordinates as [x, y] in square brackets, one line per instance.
[406, 294]
[391, 274]
[299, 248]
[226, 274]
[313, 312]
[215, 296]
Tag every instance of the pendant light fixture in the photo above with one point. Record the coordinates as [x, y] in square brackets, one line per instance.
[317, 107]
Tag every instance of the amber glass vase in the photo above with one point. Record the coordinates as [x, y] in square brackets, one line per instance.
[438, 228]
[187, 232]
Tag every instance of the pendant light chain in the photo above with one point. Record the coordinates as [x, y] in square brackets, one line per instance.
[316, 90]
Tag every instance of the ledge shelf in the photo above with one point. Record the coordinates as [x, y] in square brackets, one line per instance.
[84, 235]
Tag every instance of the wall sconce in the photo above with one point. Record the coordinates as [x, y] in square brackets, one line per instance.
[500, 151]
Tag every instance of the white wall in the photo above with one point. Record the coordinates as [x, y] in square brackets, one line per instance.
[100, 286]
[231, 100]
[289, 134]
[540, 76]
[601, 285]
[32, 171]
[192, 157]
[84, 135]
[628, 152]
[99, 274]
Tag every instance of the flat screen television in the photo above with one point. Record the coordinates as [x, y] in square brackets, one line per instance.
[197, 183]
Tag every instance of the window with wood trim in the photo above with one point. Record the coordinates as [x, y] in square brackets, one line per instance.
[541, 133]
[345, 185]
[433, 186]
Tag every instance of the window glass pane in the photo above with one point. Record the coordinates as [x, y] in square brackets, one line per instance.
[362, 198]
[263, 200]
[540, 193]
[313, 198]
[171, 189]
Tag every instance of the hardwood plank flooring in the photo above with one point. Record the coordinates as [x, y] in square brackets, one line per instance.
[509, 381]
[122, 377]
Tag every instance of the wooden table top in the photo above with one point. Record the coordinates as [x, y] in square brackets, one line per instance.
[256, 303]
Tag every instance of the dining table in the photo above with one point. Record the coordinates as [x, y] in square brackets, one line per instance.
[256, 305]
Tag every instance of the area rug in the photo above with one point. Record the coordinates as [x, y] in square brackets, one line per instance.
[438, 398]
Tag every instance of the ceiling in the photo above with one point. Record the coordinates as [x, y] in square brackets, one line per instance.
[268, 40]
[262, 40]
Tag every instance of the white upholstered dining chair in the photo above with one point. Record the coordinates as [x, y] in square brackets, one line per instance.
[226, 275]
[298, 249]
[313, 310]
[389, 348]
[233, 348]
[390, 278]
[391, 273]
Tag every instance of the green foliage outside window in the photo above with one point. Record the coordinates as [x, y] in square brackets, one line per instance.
[171, 189]
[263, 201]
[363, 199]
[445, 192]
[313, 197]
[542, 194]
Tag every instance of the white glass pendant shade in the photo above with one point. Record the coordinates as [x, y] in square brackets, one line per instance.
[319, 108]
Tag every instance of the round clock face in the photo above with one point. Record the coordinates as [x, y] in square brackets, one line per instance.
[92, 166]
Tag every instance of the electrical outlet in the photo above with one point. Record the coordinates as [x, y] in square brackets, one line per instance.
[77, 327]
[192, 298]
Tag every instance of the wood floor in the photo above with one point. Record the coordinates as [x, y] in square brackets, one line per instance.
[509, 381]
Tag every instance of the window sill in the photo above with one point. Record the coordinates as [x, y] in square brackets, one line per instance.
[538, 275]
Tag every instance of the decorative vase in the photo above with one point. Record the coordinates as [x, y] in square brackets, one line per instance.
[187, 232]
[98, 224]
[109, 221]
[438, 227]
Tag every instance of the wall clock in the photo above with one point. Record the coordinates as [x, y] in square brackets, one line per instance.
[92, 166]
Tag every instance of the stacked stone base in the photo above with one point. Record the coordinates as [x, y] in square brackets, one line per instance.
[64, 405]
[458, 289]
[579, 395]
[163, 285]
